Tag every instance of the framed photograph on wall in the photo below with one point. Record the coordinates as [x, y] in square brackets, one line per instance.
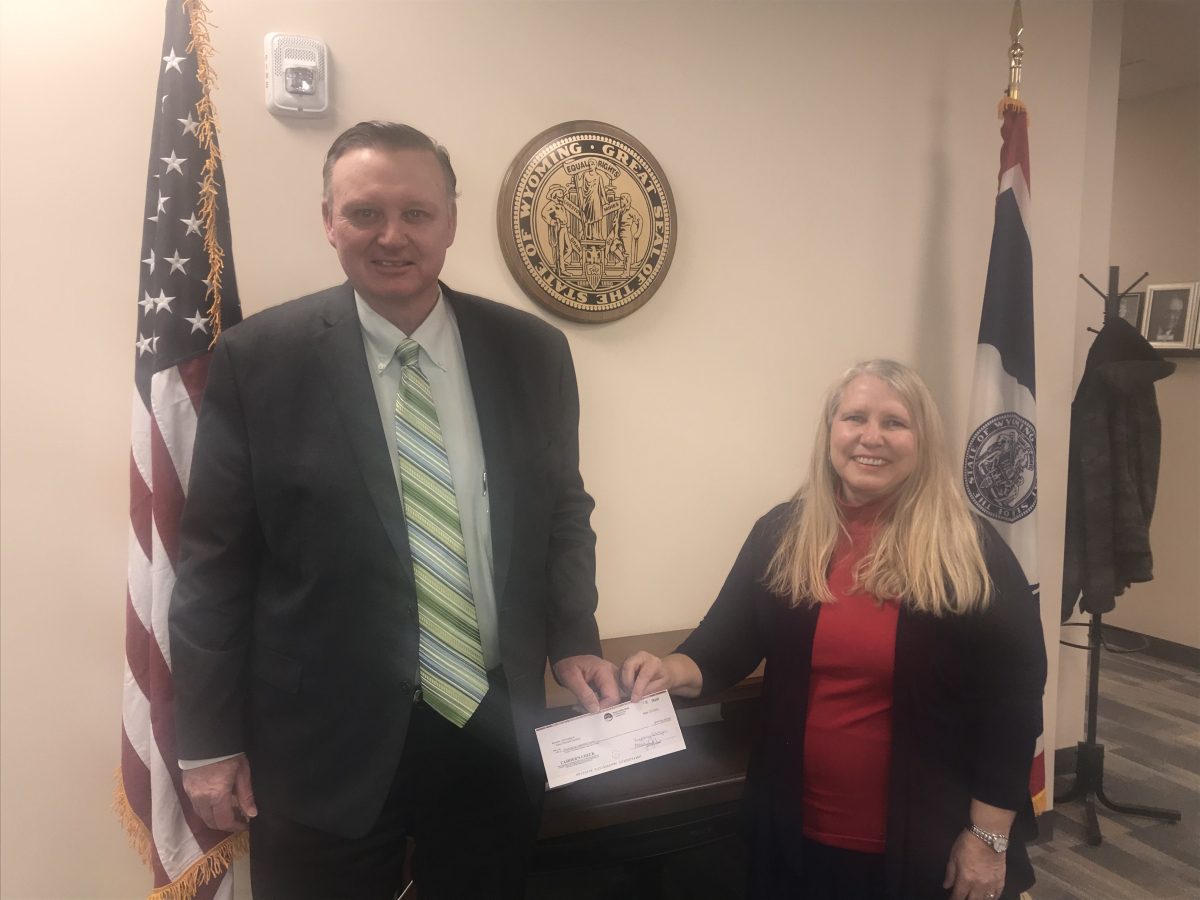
[1133, 309]
[1170, 315]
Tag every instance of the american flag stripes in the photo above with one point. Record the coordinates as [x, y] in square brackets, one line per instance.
[186, 292]
[1000, 461]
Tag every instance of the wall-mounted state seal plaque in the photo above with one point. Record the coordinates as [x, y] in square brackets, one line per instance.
[587, 221]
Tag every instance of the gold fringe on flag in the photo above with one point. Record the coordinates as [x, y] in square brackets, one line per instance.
[1010, 104]
[135, 828]
[212, 865]
[206, 135]
[209, 866]
[1039, 802]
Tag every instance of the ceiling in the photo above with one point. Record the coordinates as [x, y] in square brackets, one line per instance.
[1160, 46]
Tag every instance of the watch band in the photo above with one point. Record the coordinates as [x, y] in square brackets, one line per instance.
[998, 842]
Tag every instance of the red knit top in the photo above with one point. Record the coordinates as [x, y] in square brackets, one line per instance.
[848, 734]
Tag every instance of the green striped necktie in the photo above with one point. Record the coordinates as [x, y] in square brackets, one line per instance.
[453, 679]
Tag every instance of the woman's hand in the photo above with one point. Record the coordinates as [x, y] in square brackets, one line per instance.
[644, 673]
[975, 870]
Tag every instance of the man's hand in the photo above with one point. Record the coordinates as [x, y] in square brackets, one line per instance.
[591, 679]
[221, 793]
[975, 871]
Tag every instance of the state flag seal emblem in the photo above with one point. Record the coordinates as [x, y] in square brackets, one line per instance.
[999, 467]
[586, 221]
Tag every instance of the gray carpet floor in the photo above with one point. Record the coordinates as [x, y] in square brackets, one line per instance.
[1149, 724]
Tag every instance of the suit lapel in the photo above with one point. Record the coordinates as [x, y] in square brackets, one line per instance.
[488, 374]
[339, 344]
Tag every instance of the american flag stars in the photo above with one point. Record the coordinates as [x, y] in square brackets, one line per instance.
[172, 61]
[162, 207]
[199, 322]
[162, 301]
[155, 304]
[146, 344]
[176, 261]
[174, 163]
[192, 292]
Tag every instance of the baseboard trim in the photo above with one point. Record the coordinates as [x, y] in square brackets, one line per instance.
[1159, 648]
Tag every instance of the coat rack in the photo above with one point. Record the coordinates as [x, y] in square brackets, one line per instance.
[1112, 300]
[1089, 760]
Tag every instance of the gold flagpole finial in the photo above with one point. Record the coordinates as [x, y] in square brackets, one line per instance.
[1016, 54]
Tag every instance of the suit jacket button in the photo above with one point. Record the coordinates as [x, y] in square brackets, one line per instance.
[405, 688]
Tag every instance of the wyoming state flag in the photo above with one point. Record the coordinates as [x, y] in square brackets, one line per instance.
[1000, 460]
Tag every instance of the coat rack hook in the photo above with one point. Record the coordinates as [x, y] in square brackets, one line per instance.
[1141, 278]
[1085, 279]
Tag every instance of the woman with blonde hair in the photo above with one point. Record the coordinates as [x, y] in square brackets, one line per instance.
[905, 667]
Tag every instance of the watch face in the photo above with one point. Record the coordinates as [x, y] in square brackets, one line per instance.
[997, 842]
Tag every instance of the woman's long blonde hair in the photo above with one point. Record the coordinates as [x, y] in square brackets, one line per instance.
[926, 552]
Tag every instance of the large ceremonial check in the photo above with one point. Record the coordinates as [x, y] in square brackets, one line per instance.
[610, 739]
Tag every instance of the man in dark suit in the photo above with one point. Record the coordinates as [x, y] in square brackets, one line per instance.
[371, 649]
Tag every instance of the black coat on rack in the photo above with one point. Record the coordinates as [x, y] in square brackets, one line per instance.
[1110, 475]
[1112, 471]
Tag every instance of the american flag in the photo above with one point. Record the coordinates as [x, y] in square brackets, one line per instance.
[186, 293]
[1000, 461]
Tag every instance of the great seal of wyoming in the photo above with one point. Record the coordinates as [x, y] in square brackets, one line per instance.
[586, 221]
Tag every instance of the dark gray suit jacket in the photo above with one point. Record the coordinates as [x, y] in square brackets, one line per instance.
[294, 617]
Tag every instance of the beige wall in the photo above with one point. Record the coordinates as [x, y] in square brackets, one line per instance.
[834, 167]
[1156, 227]
[1095, 217]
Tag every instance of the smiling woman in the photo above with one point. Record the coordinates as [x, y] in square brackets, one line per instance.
[880, 441]
[905, 667]
[871, 442]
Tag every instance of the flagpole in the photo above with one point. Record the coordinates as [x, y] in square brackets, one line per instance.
[1016, 56]
[1000, 455]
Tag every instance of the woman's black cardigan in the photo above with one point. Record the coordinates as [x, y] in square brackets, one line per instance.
[967, 713]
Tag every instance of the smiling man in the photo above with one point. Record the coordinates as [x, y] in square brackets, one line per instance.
[386, 536]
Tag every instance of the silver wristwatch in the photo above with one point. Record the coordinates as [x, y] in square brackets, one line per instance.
[998, 842]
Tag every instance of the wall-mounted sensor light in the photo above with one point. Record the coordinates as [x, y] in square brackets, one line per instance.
[297, 75]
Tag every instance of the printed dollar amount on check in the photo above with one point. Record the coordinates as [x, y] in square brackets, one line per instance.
[610, 739]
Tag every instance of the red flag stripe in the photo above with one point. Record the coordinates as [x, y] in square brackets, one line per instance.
[158, 804]
[1014, 149]
[141, 485]
[177, 828]
[135, 779]
[140, 509]
[163, 723]
[168, 497]
[177, 833]
[149, 729]
[194, 375]
[136, 647]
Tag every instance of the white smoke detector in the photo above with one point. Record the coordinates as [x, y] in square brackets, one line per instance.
[297, 75]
